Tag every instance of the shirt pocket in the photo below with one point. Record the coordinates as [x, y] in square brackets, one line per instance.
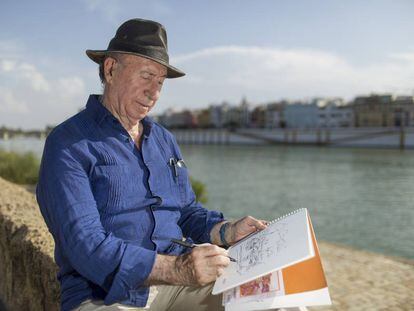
[181, 183]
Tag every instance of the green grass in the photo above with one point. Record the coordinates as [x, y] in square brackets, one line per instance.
[19, 168]
[24, 169]
[200, 190]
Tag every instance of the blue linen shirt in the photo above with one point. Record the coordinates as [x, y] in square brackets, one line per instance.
[111, 207]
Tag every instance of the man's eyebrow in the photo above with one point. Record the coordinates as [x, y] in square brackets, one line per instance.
[153, 74]
[163, 76]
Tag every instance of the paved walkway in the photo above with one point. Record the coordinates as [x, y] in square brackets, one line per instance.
[360, 280]
[364, 281]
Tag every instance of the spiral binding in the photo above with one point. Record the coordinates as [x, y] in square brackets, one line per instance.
[287, 215]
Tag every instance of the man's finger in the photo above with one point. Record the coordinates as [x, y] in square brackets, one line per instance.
[219, 261]
[262, 224]
[258, 224]
[210, 250]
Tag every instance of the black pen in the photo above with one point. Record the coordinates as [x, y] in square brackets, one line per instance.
[192, 245]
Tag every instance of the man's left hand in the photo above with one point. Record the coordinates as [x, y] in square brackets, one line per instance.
[241, 228]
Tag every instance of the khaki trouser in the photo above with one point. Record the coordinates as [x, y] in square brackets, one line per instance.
[171, 298]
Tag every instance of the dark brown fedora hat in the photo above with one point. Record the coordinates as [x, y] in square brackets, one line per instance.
[140, 37]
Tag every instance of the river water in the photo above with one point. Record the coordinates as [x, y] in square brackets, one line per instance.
[358, 197]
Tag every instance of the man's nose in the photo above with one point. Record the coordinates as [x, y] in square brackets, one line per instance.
[153, 91]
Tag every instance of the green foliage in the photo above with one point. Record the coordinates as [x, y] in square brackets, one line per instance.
[19, 168]
[200, 190]
[24, 169]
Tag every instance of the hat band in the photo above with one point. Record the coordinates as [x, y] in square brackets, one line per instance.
[152, 52]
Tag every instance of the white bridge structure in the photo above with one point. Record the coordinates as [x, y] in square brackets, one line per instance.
[382, 137]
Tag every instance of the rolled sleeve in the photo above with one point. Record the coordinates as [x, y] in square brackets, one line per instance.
[69, 208]
[135, 268]
[197, 222]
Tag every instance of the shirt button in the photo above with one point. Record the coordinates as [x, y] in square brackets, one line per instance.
[159, 200]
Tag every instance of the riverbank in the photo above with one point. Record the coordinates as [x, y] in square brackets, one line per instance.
[360, 137]
[358, 280]
[382, 137]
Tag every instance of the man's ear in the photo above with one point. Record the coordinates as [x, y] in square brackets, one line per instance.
[109, 67]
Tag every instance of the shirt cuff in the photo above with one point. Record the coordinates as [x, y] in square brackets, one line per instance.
[134, 269]
[213, 218]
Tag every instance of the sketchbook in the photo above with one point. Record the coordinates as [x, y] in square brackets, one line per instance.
[300, 285]
[286, 241]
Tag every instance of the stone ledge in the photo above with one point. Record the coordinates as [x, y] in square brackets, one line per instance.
[27, 267]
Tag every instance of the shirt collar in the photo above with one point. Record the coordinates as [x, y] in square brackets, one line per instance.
[147, 123]
[98, 112]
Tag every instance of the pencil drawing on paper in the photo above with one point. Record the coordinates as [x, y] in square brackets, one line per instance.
[257, 249]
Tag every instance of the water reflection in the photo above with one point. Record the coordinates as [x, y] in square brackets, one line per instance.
[359, 197]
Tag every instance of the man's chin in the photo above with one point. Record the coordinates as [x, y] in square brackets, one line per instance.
[139, 114]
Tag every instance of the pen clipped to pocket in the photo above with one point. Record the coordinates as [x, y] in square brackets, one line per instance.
[176, 165]
[173, 164]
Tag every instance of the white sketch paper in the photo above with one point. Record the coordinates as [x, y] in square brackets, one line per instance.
[284, 242]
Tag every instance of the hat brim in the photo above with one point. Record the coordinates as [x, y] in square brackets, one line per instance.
[98, 56]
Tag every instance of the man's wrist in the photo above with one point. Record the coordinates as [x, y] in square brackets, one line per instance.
[230, 233]
[227, 231]
[215, 233]
[166, 270]
[223, 233]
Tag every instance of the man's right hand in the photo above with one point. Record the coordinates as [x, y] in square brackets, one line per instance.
[199, 267]
[203, 265]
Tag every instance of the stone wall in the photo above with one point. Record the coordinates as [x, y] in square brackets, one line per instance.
[27, 269]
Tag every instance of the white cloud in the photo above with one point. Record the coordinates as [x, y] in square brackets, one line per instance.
[266, 74]
[31, 99]
[10, 104]
[7, 65]
[70, 86]
[33, 76]
[25, 73]
[31, 96]
[409, 56]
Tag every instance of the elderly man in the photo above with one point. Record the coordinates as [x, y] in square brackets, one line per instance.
[114, 192]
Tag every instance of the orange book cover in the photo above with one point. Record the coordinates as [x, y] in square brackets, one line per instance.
[307, 275]
[301, 284]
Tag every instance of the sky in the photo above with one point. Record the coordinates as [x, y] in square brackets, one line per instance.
[265, 50]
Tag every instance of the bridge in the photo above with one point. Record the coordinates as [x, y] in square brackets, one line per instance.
[7, 134]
